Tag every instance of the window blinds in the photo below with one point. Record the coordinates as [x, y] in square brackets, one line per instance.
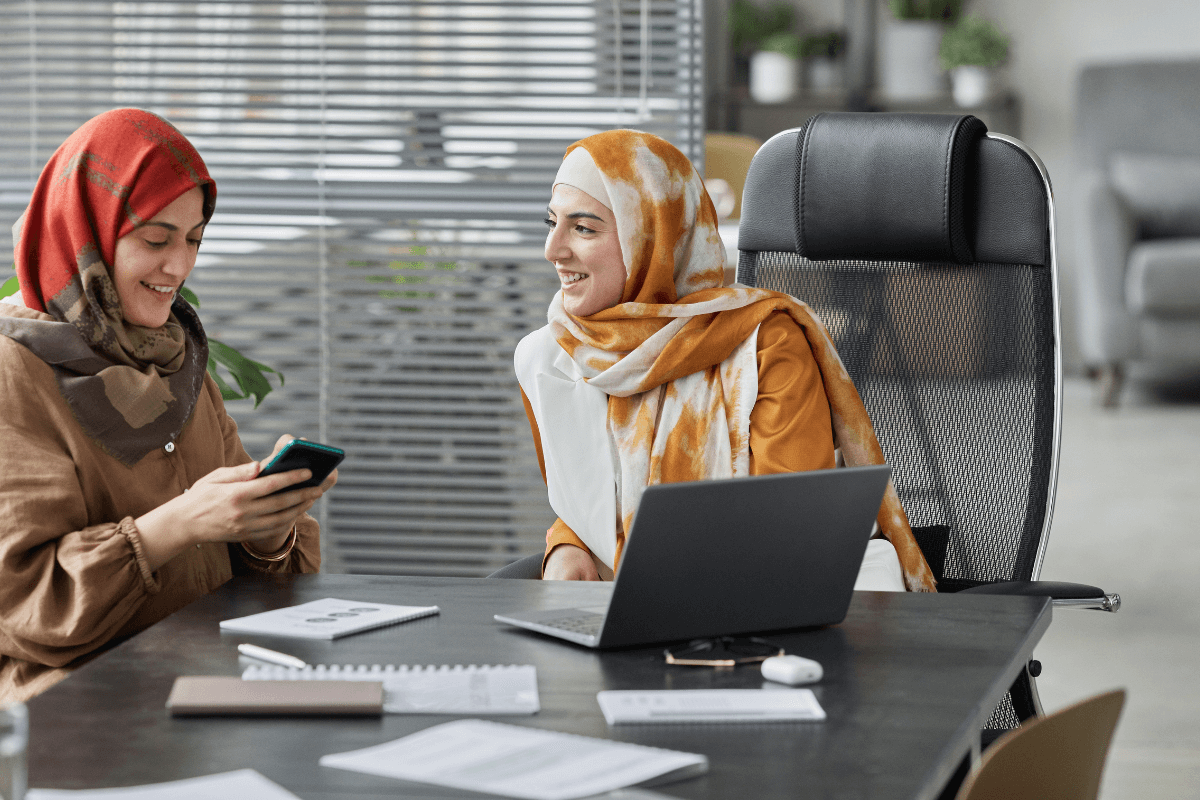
[383, 170]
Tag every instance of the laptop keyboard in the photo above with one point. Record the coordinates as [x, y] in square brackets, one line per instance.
[588, 624]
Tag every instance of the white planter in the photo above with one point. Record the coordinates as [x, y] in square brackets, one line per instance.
[772, 77]
[971, 86]
[909, 68]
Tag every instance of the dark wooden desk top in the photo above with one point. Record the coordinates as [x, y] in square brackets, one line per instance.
[909, 681]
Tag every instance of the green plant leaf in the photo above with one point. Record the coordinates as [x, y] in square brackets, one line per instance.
[787, 44]
[751, 25]
[227, 392]
[10, 287]
[973, 41]
[248, 374]
[190, 296]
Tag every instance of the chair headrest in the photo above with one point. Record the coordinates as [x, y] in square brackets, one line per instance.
[882, 187]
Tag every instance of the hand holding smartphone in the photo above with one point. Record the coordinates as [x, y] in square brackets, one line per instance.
[320, 459]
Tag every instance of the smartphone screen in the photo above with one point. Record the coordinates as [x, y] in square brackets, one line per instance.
[321, 459]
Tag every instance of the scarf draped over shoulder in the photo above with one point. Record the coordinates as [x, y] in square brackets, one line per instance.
[131, 388]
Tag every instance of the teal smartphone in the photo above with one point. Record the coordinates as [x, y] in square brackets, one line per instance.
[303, 454]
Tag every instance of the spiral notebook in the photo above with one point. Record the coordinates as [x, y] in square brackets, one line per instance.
[328, 618]
[487, 689]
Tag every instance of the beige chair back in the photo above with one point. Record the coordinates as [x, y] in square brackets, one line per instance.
[1059, 756]
[727, 156]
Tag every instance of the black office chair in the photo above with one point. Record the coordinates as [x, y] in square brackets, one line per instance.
[926, 245]
[529, 568]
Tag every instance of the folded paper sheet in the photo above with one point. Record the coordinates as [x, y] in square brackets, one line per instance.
[515, 761]
[242, 783]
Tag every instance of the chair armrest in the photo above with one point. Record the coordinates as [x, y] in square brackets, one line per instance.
[1106, 231]
[1076, 595]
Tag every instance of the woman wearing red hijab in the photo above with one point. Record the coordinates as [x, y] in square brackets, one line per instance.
[125, 492]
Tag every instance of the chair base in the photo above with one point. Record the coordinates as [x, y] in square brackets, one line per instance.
[1110, 380]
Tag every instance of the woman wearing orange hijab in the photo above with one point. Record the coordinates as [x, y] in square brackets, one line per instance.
[125, 492]
[650, 371]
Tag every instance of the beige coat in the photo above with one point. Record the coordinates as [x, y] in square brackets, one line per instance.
[73, 579]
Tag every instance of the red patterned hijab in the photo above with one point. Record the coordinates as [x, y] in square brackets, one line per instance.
[677, 355]
[131, 388]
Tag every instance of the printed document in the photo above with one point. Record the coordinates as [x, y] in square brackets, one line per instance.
[326, 619]
[516, 761]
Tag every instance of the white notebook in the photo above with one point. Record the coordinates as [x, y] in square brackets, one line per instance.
[709, 705]
[516, 761]
[326, 619]
[500, 689]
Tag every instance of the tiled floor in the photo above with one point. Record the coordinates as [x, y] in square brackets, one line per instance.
[1126, 520]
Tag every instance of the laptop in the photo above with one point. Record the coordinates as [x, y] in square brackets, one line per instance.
[728, 557]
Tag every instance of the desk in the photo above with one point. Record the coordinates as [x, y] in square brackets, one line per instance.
[909, 681]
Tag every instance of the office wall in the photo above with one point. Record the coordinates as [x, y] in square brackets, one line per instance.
[1051, 40]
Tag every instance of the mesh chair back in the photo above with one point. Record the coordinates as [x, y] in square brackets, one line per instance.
[956, 361]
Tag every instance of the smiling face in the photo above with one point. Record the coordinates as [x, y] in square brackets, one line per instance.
[585, 251]
[154, 260]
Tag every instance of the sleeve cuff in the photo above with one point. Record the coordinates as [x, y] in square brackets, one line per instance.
[128, 528]
[561, 533]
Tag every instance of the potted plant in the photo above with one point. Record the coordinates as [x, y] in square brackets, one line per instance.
[909, 63]
[766, 35]
[821, 54]
[971, 50]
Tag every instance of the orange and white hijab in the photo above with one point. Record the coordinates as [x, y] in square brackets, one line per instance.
[659, 388]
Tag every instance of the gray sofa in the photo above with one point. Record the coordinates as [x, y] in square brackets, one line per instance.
[1138, 225]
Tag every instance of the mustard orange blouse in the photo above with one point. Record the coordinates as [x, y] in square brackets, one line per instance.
[790, 425]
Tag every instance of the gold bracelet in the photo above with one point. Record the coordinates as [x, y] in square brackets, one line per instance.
[278, 555]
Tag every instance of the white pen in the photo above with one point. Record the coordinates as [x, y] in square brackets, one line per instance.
[270, 656]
